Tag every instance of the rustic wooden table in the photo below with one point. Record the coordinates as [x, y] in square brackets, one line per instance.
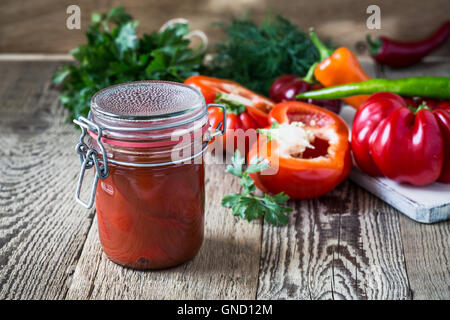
[345, 245]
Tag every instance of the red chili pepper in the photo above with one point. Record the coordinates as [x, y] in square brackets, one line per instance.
[317, 170]
[288, 86]
[401, 142]
[402, 54]
[245, 108]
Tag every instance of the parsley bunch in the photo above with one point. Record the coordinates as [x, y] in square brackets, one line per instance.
[246, 204]
[114, 54]
[255, 55]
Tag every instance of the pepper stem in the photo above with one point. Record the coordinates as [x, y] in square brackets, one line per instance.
[231, 105]
[324, 51]
[422, 106]
[374, 45]
[309, 77]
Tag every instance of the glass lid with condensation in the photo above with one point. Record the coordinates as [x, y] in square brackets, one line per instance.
[146, 100]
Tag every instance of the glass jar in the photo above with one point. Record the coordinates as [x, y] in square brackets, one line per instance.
[146, 142]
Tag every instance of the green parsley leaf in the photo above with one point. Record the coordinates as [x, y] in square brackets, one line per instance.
[247, 185]
[257, 165]
[280, 198]
[235, 168]
[126, 39]
[59, 76]
[118, 15]
[274, 211]
[115, 54]
[96, 17]
[248, 206]
[231, 105]
[230, 200]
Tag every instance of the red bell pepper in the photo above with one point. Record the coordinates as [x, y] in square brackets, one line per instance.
[245, 108]
[404, 143]
[313, 172]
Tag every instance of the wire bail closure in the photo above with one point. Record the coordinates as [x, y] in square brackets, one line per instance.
[90, 157]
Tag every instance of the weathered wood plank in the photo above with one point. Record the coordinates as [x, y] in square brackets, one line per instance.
[430, 67]
[225, 268]
[343, 245]
[426, 247]
[427, 255]
[41, 230]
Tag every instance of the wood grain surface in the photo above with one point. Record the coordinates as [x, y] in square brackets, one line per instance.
[427, 256]
[345, 245]
[42, 231]
[40, 26]
[225, 268]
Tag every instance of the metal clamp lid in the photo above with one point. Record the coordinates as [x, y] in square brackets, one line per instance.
[90, 157]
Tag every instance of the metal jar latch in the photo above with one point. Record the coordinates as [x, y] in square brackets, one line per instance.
[89, 157]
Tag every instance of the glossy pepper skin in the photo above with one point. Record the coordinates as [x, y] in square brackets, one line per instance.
[338, 67]
[288, 86]
[245, 109]
[319, 170]
[404, 144]
[442, 114]
[425, 87]
[403, 54]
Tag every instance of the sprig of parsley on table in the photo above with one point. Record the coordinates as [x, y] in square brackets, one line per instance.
[246, 204]
[115, 54]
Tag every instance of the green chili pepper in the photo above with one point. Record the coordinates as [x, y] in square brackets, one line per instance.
[426, 87]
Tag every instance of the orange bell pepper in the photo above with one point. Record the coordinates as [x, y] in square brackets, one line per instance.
[316, 171]
[338, 67]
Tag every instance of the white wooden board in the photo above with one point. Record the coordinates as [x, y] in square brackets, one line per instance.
[423, 204]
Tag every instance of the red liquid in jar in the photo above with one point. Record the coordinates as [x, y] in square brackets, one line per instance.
[151, 218]
[150, 214]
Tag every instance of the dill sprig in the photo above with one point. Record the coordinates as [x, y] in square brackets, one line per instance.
[255, 55]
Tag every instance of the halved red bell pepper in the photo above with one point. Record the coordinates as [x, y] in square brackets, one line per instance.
[245, 108]
[404, 143]
[318, 169]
